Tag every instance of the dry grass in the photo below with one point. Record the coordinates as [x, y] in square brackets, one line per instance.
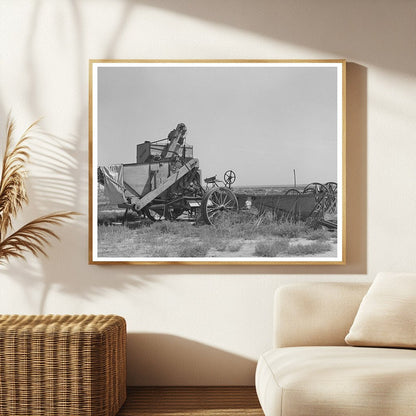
[190, 249]
[307, 249]
[234, 246]
[319, 234]
[289, 230]
[34, 236]
[272, 248]
[233, 233]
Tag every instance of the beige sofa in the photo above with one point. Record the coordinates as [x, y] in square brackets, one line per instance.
[312, 371]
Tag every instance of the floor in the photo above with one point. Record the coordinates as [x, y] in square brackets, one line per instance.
[187, 401]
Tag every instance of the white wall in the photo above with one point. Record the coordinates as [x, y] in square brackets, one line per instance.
[190, 324]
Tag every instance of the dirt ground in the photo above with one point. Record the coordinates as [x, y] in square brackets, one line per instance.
[121, 241]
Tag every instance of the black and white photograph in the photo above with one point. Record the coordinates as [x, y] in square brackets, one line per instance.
[217, 162]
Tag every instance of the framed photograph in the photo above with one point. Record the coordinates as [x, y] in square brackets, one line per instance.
[217, 162]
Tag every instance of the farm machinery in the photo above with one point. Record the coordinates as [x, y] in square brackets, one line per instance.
[165, 182]
[315, 204]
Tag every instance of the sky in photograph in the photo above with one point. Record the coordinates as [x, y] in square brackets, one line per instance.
[261, 122]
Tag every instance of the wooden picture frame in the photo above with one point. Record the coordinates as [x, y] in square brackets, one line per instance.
[217, 162]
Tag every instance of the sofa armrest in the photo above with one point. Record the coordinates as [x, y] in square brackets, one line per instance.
[315, 313]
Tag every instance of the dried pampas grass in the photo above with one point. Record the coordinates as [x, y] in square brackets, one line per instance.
[34, 236]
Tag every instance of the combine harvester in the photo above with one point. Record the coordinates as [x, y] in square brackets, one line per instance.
[165, 183]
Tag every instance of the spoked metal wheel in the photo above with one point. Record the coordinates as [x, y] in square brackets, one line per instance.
[229, 177]
[315, 188]
[332, 187]
[292, 191]
[216, 202]
[320, 192]
[331, 200]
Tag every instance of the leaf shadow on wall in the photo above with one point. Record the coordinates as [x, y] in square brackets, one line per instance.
[356, 198]
[52, 186]
[370, 34]
[58, 181]
[164, 359]
[275, 20]
[64, 185]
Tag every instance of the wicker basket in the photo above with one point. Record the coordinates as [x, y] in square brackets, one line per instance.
[54, 365]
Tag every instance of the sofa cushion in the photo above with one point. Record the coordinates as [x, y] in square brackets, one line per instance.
[342, 381]
[315, 314]
[387, 314]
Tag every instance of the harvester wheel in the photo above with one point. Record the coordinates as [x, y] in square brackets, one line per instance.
[216, 202]
[292, 191]
[332, 187]
[229, 177]
[317, 189]
[331, 200]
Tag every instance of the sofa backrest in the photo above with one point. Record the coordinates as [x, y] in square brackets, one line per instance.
[308, 314]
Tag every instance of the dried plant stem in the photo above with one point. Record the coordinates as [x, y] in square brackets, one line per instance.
[34, 236]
